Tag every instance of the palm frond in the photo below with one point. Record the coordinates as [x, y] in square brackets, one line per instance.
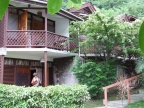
[140, 65]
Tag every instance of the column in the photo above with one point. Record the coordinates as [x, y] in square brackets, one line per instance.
[46, 17]
[46, 72]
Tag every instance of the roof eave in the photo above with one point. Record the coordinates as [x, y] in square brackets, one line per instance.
[62, 12]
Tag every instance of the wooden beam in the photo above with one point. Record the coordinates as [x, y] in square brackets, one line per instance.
[32, 2]
[105, 98]
[69, 16]
[12, 7]
[46, 78]
[2, 68]
[5, 27]
[46, 17]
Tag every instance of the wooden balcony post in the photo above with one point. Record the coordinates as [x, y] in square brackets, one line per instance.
[2, 68]
[128, 91]
[46, 77]
[46, 16]
[116, 84]
[105, 97]
[6, 27]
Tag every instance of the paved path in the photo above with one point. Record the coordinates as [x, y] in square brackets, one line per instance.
[122, 104]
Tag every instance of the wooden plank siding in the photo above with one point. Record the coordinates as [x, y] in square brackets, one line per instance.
[9, 75]
[20, 71]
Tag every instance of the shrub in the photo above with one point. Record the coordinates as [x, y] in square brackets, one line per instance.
[138, 104]
[95, 75]
[140, 69]
[59, 96]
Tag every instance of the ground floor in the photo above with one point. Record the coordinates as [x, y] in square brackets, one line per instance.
[18, 65]
[20, 71]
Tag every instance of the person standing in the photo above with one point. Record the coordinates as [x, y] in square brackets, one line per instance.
[35, 81]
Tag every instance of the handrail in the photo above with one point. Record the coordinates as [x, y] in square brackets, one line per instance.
[25, 30]
[56, 34]
[116, 84]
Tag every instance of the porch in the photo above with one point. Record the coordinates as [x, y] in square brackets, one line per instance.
[20, 63]
[37, 39]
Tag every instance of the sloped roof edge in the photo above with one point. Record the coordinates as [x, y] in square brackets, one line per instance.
[43, 3]
[88, 4]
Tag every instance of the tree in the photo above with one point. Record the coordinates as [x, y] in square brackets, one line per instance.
[141, 37]
[130, 7]
[108, 35]
[110, 38]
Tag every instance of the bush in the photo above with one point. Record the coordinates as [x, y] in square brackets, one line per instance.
[95, 75]
[140, 69]
[59, 96]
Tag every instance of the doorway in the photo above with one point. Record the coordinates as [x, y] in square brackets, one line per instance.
[51, 79]
[32, 71]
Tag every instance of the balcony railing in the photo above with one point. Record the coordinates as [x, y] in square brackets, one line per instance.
[36, 39]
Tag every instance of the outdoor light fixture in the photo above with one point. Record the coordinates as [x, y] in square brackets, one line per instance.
[42, 60]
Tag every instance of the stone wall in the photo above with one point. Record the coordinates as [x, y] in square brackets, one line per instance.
[62, 73]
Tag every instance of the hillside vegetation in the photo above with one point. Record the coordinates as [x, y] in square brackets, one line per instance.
[116, 7]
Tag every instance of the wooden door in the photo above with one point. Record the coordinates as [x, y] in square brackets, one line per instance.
[51, 77]
[9, 74]
[37, 38]
[23, 76]
[37, 25]
[22, 21]
[22, 25]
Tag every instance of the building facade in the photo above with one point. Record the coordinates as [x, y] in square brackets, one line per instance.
[32, 40]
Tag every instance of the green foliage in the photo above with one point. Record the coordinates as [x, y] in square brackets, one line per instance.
[76, 4]
[54, 6]
[140, 65]
[94, 74]
[116, 7]
[138, 104]
[59, 96]
[3, 6]
[77, 1]
[108, 35]
[140, 69]
[141, 37]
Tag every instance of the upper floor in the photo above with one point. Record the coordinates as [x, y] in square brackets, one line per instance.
[27, 24]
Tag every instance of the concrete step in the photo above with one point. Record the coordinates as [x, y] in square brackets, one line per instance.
[118, 103]
[136, 96]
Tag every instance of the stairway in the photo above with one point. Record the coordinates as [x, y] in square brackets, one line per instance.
[122, 104]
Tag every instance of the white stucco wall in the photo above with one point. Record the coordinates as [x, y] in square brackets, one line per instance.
[12, 22]
[61, 25]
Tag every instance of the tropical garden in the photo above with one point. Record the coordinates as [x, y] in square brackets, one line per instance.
[112, 40]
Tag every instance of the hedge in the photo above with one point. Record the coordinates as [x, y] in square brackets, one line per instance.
[59, 96]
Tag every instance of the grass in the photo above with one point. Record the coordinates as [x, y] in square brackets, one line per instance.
[93, 103]
[138, 104]
[99, 102]
[111, 97]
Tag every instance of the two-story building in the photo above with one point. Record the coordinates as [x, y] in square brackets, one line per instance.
[32, 40]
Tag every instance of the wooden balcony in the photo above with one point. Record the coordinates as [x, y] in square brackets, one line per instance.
[36, 39]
